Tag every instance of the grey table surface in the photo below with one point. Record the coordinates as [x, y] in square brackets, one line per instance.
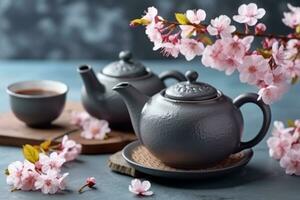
[261, 179]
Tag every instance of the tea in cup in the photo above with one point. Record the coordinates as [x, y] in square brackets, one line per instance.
[37, 103]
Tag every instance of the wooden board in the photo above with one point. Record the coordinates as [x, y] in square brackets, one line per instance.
[118, 164]
[15, 133]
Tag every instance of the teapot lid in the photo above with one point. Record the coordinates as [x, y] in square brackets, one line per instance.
[191, 90]
[126, 67]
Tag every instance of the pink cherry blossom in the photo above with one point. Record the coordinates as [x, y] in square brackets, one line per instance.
[53, 162]
[293, 8]
[277, 147]
[195, 17]
[151, 14]
[236, 47]
[62, 181]
[70, 150]
[292, 69]
[140, 188]
[212, 54]
[278, 53]
[291, 161]
[291, 51]
[221, 26]
[260, 28]
[169, 48]
[285, 146]
[190, 48]
[50, 182]
[297, 123]
[187, 31]
[279, 78]
[281, 140]
[78, 118]
[29, 176]
[292, 19]
[273, 85]
[249, 14]
[268, 42]
[154, 34]
[297, 130]
[292, 44]
[95, 129]
[280, 130]
[14, 177]
[225, 54]
[253, 69]
[270, 93]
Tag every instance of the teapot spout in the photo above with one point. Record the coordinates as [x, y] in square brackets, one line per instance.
[91, 83]
[135, 101]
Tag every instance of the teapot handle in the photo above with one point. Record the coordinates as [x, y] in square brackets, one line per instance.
[252, 98]
[172, 74]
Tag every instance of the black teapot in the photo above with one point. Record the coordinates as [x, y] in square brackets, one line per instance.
[191, 124]
[102, 102]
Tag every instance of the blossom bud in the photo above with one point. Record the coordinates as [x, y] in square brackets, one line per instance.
[260, 28]
[91, 181]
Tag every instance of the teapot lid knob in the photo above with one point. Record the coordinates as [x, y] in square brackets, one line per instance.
[191, 76]
[125, 55]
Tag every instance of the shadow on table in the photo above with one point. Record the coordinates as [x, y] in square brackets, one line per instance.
[244, 176]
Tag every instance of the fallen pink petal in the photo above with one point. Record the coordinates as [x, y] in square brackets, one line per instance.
[141, 188]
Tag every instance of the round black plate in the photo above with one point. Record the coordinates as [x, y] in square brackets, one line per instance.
[184, 174]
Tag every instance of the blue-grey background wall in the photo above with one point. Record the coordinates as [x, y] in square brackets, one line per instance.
[98, 29]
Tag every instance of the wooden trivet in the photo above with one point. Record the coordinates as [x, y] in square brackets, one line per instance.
[118, 164]
[15, 133]
[144, 157]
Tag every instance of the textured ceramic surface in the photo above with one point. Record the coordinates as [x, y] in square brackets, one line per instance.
[102, 102]
[37, 110]
[187, 133]
[184, 174]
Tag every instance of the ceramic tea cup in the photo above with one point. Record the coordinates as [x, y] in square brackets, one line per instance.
[37, 103]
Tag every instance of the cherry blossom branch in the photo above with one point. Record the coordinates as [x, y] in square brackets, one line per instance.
[267, 35]
[243, 34]
[271, 67]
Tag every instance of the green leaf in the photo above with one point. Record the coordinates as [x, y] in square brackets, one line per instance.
[6, 172]
[30, 153]
[290, 123]
[181, 18]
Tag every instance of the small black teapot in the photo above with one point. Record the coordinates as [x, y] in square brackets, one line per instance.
[102, 102]
[191, 124]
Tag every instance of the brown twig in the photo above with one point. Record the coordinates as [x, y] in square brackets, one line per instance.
[263, 35]
[66, 133]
